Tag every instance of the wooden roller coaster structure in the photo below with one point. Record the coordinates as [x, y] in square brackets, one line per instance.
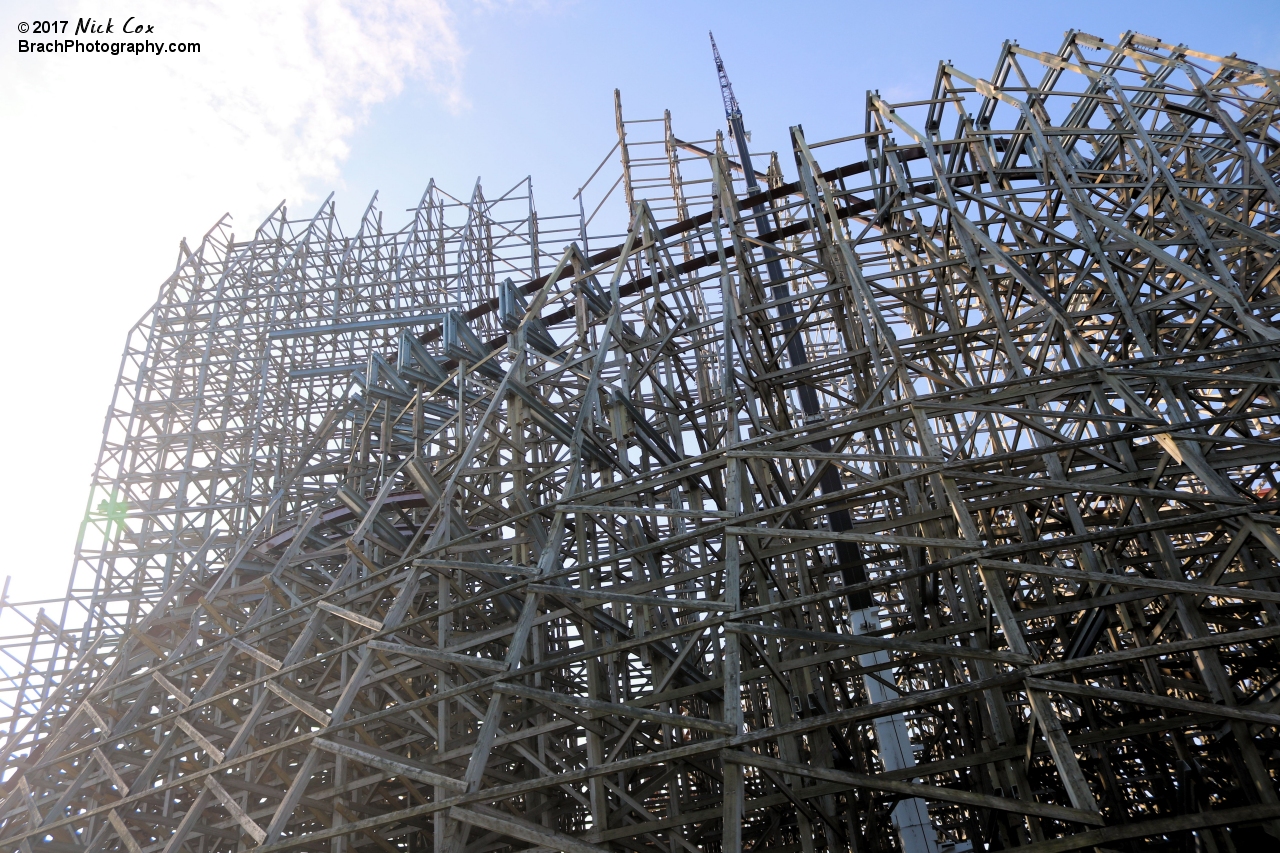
[925, 502]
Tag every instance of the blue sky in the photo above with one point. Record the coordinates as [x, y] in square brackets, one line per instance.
[109, 161]
[538, 80]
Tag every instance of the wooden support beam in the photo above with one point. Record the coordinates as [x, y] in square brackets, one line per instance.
[934, 793]
[247, 823]
[514, 827]
[613, 708]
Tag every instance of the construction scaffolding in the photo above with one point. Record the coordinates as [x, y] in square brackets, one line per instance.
[925, 502]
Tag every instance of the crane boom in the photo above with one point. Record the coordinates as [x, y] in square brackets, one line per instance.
[726, 88]
[733, 113]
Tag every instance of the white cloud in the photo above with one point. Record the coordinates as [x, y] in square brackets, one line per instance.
[109, 160]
